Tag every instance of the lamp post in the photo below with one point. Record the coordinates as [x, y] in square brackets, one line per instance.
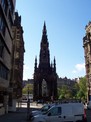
[28, 104]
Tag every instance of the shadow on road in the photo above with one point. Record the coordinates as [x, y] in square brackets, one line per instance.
[20, 115]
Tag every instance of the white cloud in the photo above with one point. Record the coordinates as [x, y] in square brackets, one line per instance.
[79, 68]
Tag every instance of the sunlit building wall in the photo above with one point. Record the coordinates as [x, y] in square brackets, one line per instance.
[17, 63]
[87, 55]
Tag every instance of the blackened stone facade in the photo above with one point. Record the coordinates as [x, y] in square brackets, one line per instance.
[45, 76]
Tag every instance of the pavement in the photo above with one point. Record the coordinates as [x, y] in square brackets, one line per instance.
[20, 115]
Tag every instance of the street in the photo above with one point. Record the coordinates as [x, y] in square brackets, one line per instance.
[34, 106]
[21, 113]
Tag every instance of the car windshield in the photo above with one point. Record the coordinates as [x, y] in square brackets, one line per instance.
[45, 108]
[46, 112]
[54, 111]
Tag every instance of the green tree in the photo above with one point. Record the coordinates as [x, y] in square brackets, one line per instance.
[82, 93]
[28, 87]
[64, 92]
[75, 90]
[78, 91]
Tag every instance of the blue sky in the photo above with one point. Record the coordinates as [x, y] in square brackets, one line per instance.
[65, 23]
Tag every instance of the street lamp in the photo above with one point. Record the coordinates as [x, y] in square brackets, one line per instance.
[28, 104]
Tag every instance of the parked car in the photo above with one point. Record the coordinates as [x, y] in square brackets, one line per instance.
[72, 112]
[39, 101]
[25, 98]
[43, 110]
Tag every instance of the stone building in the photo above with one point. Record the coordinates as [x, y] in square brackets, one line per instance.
[87, 55]
[17, 63]
[29, 81]
[45, 76]
[66, 82]
[7, 8]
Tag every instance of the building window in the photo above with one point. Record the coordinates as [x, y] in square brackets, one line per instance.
[10, 20]
[18, 36]
[2, 25]
[16, 67]
[10, 4]
[1, 48]
[4, 5]
[86, 50]
[0, 20]
[18, 31]
[17, 44]
[3, 72]
[16, 55]
[1, 98]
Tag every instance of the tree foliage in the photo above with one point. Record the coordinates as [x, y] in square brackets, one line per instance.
[28, 87]
[82, 93]
[78, 91]
[64, 92]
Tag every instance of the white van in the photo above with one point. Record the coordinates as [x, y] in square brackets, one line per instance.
[72, 112]
[43, 110]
